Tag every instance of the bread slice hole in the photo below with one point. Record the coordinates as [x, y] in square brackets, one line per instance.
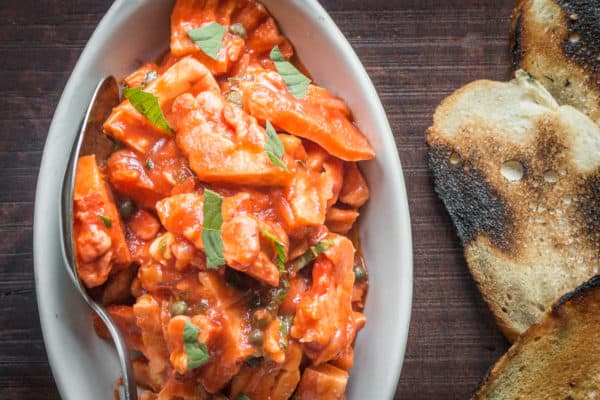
[454, 158]
[550, 176]
[512, 170]
[574, 37]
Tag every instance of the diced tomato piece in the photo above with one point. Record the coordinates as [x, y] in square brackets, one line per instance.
[124, 318]
[129, 126]
[325, 322]
[192, 14]
[230, 345]
[223, 143]
[323, 382]
[270, 380]
[99, 235]
[267, 98]
[355, 191]
[340, 220]
[147, 312]
[147, 179]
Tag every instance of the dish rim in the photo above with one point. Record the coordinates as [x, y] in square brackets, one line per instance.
[44, 183]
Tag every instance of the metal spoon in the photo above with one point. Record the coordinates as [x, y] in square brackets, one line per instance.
[91, 140]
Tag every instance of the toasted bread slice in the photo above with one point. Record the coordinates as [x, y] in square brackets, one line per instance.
[559, 358]
[558, 42]
[520, 177]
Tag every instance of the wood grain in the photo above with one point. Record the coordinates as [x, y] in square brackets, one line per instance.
[416, 52]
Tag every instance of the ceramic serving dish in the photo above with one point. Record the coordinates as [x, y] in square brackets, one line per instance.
[86, 367]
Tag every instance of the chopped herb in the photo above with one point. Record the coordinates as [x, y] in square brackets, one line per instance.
[149, 164]
[162, 245]
[239, 30]
[309, 255]
[282, 291]
[150, 76]
[197, 353]
[178, 308]
[211, 229]
[147, 104]
[242, 396]
[279, 250]
[295, 81]
[285, 324]
[274, 147]
[105, 220]
[209, 38]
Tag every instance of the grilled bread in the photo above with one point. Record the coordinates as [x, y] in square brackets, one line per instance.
[558, 42]
[559, 358]
[520, 177]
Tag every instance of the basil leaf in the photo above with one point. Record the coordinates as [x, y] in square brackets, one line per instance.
[197, 353]
[295, 81]
[274, 147]
[209, 38]
[147, 105]
[105, 220]
[285, 324]
[309, 255]
[242, 396]
[211, 229]
[279, 250]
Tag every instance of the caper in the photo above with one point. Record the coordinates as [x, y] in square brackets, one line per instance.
[126, 209]
[261, 318]
[360, 274]
[178, 307]
[257, 337]
[238, 29]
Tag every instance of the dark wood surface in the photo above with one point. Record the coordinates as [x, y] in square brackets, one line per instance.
[416, 52]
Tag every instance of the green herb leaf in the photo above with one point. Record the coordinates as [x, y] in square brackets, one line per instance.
[279, 250]
[309, 255]
[105, 220]
[209, 38]
[197, 353]
[162, 245]
[149, 164]
[147, 105]
[281, 292]
[295, 81]
[211, 229]
[274, 147]
[242, 396]
[285, 324]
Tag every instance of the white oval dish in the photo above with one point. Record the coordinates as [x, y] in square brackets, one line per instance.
[84, 366]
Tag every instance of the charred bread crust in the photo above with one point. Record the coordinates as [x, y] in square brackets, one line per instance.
[582, 44]
[576, 294]
[473, 204]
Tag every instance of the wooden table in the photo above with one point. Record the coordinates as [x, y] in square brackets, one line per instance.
[416, 52]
